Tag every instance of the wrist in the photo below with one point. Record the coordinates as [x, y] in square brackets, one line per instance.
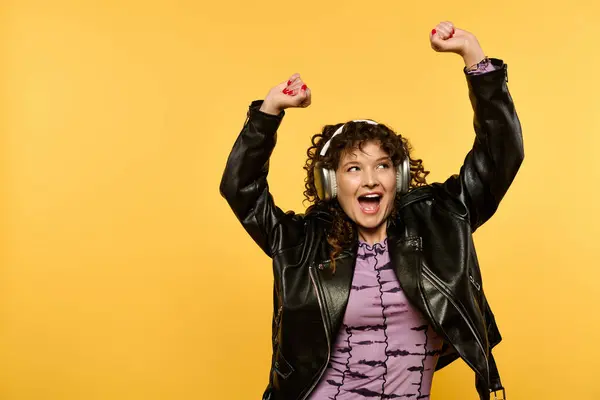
[268, 108]
[473, 53]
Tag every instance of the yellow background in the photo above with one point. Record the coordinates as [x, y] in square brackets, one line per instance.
[125, 276]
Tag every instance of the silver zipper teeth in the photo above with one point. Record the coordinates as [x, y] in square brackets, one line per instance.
[312, 279]
[462, 314]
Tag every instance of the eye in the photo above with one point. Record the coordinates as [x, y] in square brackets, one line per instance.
[353, 168]
[384, 165]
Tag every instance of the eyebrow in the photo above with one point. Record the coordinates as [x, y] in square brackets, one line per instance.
[387, 158]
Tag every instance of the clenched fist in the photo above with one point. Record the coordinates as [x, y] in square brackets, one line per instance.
[447, 38]
[289, 94]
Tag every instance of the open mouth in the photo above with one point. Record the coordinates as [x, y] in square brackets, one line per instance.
[369, 203]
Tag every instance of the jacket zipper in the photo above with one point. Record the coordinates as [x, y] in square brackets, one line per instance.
[477, 285]
[321, 265]
[277, 319]
[322, 309]
[441, 287]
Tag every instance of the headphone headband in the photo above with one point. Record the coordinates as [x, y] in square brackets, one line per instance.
[339, 130]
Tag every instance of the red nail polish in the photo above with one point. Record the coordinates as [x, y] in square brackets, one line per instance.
[433, 31]
[285, 91]
[452, 31]
[304, 87]
[289, 83]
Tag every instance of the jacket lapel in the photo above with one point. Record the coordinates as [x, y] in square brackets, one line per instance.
[405, 249]
[335, 287]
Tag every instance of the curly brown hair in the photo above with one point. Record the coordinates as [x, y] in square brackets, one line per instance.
[353, 136]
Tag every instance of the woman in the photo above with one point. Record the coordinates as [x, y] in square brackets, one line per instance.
[377, 285]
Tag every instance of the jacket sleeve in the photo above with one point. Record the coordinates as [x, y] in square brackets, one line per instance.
[497, 153]
[244, 183]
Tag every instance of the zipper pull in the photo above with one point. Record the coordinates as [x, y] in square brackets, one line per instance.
[477, 285]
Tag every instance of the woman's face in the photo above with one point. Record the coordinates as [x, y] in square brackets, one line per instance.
[366, 185]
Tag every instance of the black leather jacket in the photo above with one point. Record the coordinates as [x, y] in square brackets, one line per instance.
[430, 244]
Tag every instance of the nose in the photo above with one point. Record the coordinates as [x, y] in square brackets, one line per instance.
[370, 180]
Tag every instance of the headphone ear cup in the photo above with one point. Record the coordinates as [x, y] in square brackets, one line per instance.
[333, 180]
[325, 182]
[318, 179]
[403, 176]
[329, 184]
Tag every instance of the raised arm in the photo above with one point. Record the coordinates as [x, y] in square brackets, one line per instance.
[493, 162]
[244, 182]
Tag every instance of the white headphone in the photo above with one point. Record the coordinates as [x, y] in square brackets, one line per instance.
[326, 183]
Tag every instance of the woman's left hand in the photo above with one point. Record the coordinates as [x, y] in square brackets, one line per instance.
[446, 38]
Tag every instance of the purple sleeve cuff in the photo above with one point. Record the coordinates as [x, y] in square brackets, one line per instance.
[483, 67]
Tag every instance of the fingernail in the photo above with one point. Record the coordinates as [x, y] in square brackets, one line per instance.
[453, 31]
[452, 34]
[289, 83]
[304, 87]
[433, 31]
[285, 91]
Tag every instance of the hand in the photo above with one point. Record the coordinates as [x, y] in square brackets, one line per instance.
[446, 38]
[292, 93]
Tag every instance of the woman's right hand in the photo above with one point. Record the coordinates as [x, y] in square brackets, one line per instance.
[292, 93]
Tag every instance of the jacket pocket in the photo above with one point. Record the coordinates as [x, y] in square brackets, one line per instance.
[281, 365]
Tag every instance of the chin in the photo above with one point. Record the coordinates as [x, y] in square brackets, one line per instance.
[369, 224]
